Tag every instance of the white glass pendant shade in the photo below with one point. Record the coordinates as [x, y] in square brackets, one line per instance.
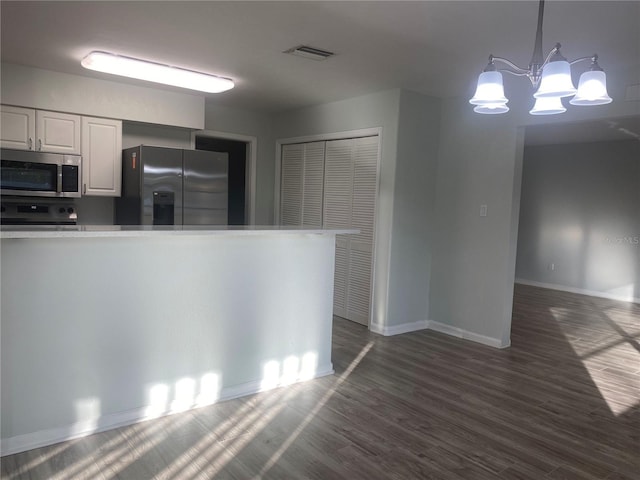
[592, 89]
[491, 108]
[490, 90]
[548, 106]
[155, 72]
[556, 80]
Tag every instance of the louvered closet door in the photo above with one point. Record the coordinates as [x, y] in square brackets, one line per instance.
[302, 184]
[360, 251]
[350, 197]
[333, 184]
[338, 183]
[291, 185]
[313, 184]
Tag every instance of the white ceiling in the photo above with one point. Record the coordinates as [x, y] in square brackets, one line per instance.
[433, 47]
[436, 48]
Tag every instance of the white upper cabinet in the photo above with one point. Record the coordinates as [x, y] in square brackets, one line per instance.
[57, 132]
[101, 157]
[18, 127]
[39, 130]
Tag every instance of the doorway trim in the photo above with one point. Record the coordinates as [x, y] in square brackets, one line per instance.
[251, 158]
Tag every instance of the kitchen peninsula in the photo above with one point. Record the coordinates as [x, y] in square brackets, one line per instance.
[104, 326]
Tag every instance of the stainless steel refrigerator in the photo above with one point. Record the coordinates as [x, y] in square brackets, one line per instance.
[170, 186]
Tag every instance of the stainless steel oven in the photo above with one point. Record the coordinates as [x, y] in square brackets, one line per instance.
[38, 211]
[38, 174]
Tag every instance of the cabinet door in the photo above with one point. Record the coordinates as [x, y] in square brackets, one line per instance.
[101, 157]
[57, 132]
[18, 127]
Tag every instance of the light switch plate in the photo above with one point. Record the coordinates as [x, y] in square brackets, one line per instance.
[483, 210]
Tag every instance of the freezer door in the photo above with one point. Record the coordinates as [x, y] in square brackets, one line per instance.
[162, 184]
[206, 186]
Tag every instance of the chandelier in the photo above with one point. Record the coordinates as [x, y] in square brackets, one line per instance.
[550, 77]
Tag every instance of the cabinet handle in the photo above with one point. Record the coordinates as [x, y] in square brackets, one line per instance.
[84, 189]
[39, 144]
[30, 143]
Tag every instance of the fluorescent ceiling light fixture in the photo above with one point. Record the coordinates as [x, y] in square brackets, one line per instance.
[155, 72]
[550, 77]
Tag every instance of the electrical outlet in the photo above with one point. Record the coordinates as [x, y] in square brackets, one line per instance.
[483, 210]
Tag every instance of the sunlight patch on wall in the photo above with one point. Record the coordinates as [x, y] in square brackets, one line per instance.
[270, 375]
[291, 370]
[158, 400]
[87, 415]
[309, 366]
[209, 389]
[186, 393]
[625, 293]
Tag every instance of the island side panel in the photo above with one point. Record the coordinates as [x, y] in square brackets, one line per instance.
[97, 332]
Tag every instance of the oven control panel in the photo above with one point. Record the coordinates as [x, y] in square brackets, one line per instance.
[37, 211]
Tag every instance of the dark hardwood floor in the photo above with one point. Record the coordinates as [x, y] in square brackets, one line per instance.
[563, 402]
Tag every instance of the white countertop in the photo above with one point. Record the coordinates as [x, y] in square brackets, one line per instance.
[80, 231]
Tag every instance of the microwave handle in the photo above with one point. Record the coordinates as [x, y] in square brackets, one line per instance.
[59, 188]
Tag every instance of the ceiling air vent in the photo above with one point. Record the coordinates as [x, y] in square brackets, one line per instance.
[310, 52]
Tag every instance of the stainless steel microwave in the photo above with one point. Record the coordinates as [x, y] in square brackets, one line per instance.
[39, 174]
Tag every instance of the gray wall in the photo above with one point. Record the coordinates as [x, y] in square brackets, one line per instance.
[46, 90]
[229, 120]
[480, 162]
[134, 134]
[413, 208]
[472, 269]
[579, 212]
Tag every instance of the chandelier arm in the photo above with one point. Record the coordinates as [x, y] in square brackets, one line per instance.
[553, 51]
[517, 74]
[512, 65]
[592, 58]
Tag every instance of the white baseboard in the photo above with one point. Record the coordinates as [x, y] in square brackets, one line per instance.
[466, 334]
[580, 291]
[399, 329]
[438, 327]
[21, 443]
